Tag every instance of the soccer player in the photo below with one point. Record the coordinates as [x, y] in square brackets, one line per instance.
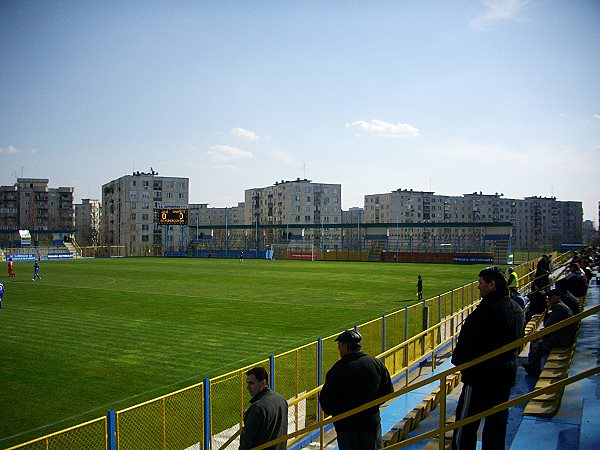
[11, 269]
[1, 294]
[36, 271]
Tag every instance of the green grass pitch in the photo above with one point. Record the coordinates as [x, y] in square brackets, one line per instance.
[102, 334]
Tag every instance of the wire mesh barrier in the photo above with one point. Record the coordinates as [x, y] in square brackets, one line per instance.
[173, 421]
[88, 435]
[207, 415]
[297, 374]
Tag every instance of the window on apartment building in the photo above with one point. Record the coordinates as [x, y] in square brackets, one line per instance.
[308, 198]
[132, 216]
[145, 227]
[307, 218]
[145, 205]
[306, 188]
[297, 198]
[335, 200]
[132, 205]
[326, 190]
[133, 182]
[182, 184]
[169, 195]
[145, 238]
[297, 218]
[297, 208]
[132, 195]
[181, 196]
[146, 183]
[335, 218]
[145, 217]
[326, 219]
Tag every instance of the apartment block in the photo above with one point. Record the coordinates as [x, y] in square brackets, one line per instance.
[87, 222]
[48, 213]
[536, 221]
[129, 208]
[297, 202]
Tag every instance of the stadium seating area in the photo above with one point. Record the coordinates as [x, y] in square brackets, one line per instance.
[566, 418]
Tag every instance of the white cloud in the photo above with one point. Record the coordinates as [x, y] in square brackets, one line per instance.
[596, 116]
[220, 154]
[242, 133]
[382, 128]
[10, 149]
[498, 10]
[282, 155]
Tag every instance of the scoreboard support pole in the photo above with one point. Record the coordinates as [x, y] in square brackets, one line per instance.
[166, 244]
[181, 238]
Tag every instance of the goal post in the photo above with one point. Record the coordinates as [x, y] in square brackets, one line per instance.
[295, 250]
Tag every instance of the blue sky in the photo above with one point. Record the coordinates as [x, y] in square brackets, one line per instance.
[449, 96]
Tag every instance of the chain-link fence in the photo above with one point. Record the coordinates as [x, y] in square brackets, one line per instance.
[89, 435]
[174, 421]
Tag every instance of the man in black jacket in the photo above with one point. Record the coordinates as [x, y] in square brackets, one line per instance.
[352, 381]
[495, 322]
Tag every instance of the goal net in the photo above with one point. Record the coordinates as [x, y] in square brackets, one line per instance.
[300, 250]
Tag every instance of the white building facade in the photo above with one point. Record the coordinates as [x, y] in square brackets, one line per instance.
[129, 208]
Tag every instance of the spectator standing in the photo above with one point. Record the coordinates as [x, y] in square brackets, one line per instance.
[11, 268]
[267, 416]
[542, 272]
[355, 379]
[560, 338]
[513, 279]
[495, 322]
[420, 287]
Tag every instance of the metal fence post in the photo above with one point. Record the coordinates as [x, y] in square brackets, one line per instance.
[272, 371]
[383, 346]
[111, 429]
[207, 427]
[319, 371]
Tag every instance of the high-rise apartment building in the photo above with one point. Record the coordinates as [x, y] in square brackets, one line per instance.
[29, 204]
[87, 222]
[297, 202]
[129, 207]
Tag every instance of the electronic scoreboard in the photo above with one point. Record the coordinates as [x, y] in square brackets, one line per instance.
[172, 216]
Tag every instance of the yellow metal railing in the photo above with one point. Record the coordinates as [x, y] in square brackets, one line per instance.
[442, 376]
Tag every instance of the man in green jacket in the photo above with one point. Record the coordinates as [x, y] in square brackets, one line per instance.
[267, 416]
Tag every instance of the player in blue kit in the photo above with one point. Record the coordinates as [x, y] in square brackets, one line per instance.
[1, 294]
[36, 271]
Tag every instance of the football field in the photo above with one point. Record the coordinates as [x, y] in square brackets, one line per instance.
[102, 334]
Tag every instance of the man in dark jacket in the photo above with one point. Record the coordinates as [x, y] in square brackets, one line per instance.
[542, 272]
[352, 381]
[559, 338]
[495, 322]
[267, 416]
